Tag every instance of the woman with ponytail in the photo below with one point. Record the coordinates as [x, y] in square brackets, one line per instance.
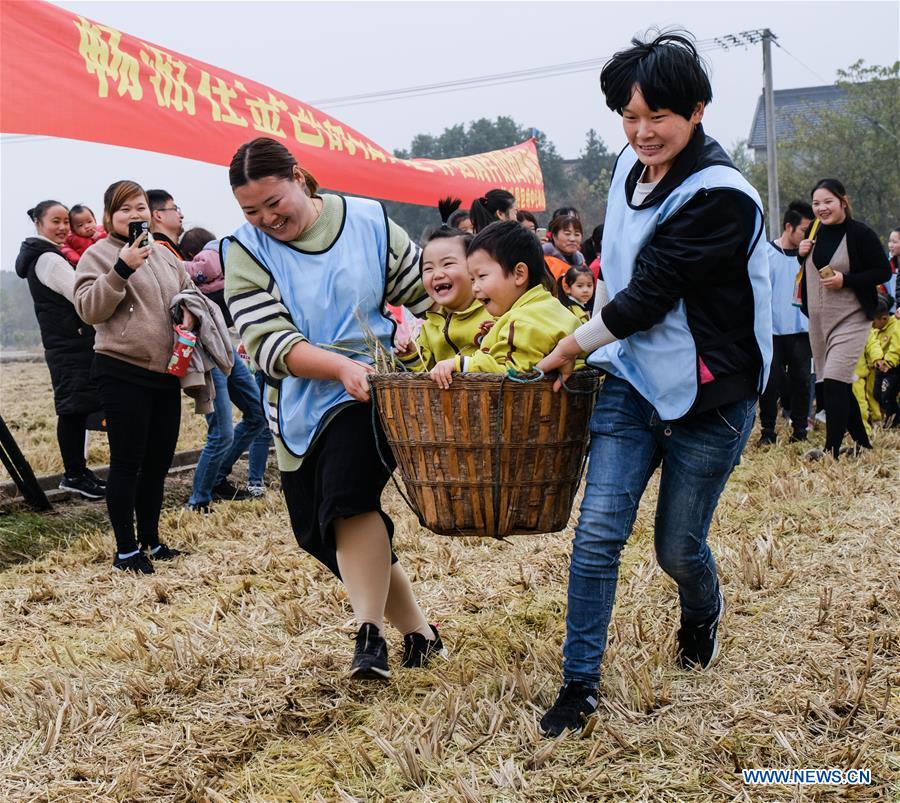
[843, 264]
[455, 323]
[306, 280]
[494, 205]
[68, 341]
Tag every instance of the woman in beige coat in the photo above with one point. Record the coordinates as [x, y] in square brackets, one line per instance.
[125, 292]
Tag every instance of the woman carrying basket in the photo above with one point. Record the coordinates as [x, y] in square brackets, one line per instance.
[306, 281]
[686, 342]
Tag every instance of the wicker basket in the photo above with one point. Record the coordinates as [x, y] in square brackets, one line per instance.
[490, 456]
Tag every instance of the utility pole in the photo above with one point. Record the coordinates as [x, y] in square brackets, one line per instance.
[743, 39]
[771, 155]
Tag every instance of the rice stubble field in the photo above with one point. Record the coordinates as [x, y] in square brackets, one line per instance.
[222, 676]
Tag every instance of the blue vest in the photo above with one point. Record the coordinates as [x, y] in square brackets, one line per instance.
[786, 318]
[336, 300]
[661, 363]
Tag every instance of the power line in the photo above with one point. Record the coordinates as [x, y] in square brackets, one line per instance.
[477, 82]
[821, 77]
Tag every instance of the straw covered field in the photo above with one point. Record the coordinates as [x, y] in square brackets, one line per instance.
[221, 678]
[26, 405]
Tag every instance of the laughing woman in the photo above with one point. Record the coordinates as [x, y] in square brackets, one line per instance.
[686, 342]
[842, 268]
[308, 271]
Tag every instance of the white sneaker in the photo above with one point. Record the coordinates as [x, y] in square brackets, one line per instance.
[820, 416]
[256, 491]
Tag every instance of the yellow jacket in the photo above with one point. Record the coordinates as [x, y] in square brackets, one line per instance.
[578, 311]
[446, 334]
[523, 336]
[888, 340]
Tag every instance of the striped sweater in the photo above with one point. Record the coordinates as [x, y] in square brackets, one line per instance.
[265, 326]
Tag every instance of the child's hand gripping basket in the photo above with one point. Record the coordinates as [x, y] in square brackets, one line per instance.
[491, 456]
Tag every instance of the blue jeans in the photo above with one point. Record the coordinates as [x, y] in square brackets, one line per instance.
[225, 443]
[258, 453]
[629, 442]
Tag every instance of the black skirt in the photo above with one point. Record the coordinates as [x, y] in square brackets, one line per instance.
[341, 476]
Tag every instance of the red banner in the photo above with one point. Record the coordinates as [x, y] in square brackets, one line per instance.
[67, 76]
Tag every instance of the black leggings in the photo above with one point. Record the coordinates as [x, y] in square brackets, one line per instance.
[142, 424]
[70, 435]
[842, 415]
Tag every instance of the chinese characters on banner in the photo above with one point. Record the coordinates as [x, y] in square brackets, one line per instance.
[114, 88]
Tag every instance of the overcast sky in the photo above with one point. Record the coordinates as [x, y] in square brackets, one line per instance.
[320, 50]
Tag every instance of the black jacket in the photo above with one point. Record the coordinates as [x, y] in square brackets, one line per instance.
[167, 242]
[699, 254]
[68, 341]
[869, 267]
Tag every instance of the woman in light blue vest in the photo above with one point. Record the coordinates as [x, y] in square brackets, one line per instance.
[685, 340]
[306, 281]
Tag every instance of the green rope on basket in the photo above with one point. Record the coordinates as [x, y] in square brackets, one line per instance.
[528, 377]
[524, 377]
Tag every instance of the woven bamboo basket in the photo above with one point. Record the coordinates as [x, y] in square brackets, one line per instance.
[490, 456]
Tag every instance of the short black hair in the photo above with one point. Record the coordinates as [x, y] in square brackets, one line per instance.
[668, 70]
[193, 240]
[565, 210]
[508, 243]
[78, 209]
[883, 305]
[457, 217]
[157, 199]
[796, 212]
[522, 215]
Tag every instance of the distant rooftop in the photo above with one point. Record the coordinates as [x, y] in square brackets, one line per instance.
[789, 104]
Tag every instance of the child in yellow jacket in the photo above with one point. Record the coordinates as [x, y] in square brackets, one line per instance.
[887, 378]
[880, 357]
[507, 268]
[454, 325]
[575, 290]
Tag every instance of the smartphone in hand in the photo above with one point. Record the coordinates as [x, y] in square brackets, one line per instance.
[137, 230]
[827, 272]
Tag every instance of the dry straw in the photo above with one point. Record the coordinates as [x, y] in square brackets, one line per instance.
[26, 404]
[220, 678]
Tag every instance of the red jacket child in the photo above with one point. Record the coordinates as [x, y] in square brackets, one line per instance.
[85, 232]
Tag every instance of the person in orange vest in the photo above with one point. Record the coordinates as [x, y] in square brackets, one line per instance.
[563, 251]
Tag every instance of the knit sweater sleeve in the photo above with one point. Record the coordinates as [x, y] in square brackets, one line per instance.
[253, 298]
[595, 333]
[404, 284]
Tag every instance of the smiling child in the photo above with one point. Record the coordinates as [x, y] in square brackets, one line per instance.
[453, 326]
[506, 264]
